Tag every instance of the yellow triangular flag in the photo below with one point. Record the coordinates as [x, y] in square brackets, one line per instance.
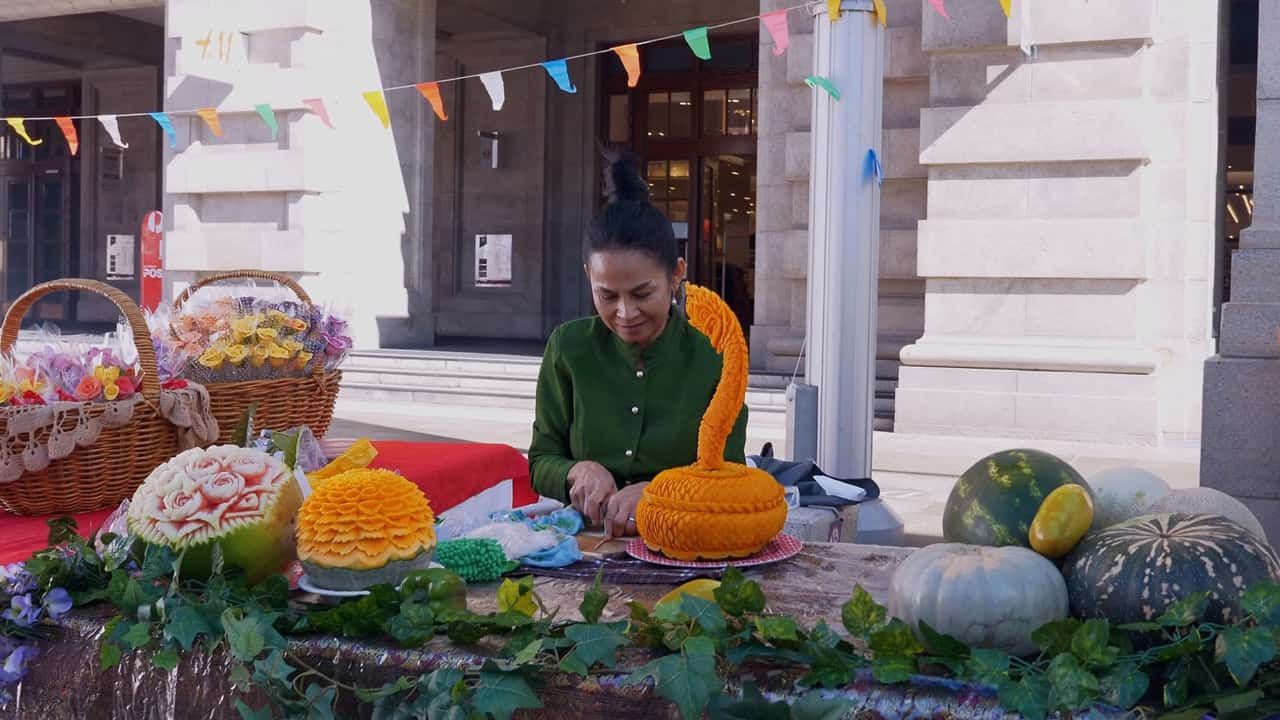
[17, 124]
[881, 13]
[1007, 7]
[378, 103]
[833, 9]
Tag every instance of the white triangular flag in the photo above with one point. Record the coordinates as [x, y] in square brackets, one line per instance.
[112, 126]
[497, 90]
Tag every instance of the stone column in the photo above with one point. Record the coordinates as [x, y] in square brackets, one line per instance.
[1240, 449]
[344, 208]
[1069, 240]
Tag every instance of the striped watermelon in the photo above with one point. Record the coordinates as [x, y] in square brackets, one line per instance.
[994, 502]
[1132, 572]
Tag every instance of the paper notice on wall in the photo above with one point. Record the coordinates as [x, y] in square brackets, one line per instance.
[493, 260]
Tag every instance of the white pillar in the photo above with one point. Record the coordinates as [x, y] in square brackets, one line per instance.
[844, 235]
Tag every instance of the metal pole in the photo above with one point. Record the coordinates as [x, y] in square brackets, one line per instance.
[844, 232]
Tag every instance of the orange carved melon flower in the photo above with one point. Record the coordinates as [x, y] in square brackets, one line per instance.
[363, 519]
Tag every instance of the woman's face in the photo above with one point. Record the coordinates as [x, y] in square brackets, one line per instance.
[632, 293]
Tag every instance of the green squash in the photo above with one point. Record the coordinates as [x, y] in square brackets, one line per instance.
[994, 502]
[1132, 572]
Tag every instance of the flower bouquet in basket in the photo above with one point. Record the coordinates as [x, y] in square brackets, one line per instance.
[252, 347]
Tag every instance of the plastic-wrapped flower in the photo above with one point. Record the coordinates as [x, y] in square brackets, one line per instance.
[107, 374]
[267, 335]
[279, 355]
[7, 392]
[213, 358]
[126, 386]
[259, 355]
[237, 354]
[298, 325]
[302, 359]
[57, 602]
[15, 664]
[88, 389]
[111, 392]
[15, 580]
[22, 610]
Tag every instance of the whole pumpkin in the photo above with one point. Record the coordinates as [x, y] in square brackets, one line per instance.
[995, 501]
[1132, 572]
[986, 597]
[1208, 501]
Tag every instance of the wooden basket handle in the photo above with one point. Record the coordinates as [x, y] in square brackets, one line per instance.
[284, 280]
[141, 335]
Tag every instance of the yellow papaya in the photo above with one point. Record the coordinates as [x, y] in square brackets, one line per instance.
[1062, 521]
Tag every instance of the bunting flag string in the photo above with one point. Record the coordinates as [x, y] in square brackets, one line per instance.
[162, 119]
[269, 117]
[630, 57]
[19, 126]
[316, 105]
[68, 128]
[210, 117]
[431, 91]
[496, 88]
[112, 126]
[774, 22]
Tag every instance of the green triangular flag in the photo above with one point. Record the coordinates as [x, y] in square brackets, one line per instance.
[817, 81]
[698, 43]
[268, 117]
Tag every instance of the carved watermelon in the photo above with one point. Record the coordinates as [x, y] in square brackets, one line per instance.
[1132, 572]
[239, 498]
[994, 502]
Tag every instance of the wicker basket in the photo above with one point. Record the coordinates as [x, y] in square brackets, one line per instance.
[106, 472]
[282, 403]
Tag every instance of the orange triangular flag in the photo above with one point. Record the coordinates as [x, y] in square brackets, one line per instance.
[69, 132]
[21, 129]
[210, 117]
[378, 103]
[630, 57]
[431, 91]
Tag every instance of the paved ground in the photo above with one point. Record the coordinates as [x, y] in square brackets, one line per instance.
[915, 473]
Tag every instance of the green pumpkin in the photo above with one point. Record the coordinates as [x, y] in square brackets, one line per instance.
[994, 502]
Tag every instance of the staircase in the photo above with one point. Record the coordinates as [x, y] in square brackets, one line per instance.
[441, 377]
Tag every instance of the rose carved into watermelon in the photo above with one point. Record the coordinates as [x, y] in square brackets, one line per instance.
[241, 499]
[1132, 572]
[995, 501]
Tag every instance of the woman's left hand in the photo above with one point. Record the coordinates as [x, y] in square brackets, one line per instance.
[620, 511]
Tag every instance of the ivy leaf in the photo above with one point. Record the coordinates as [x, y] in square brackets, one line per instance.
[287, 443]
[157, 563]
[1029, 696]
[1177, 684]
[1191, 713]
[592, 644]
[1186, 611]
[830, 669]
[1091, 643]
[244, 638]
[528, 653]
[1124, 686]
[893, 669]
[109, 656]
[184, 624]
[1239, 701]
[62, 530]
[822, 636]
[414, 626]
[812, 706]
[861, 614]
[896, 639]
[1262, 601]
[1188, 646]
[138, 636]
[594, 601]
[500, 694]
[941, 644]
[249, 713]
[989, 667]
[1071, 686]
[1244, 651]
[1055, 638]
[517, 596]
[1140, 627]
[752, 706]
[687, 679]
[705, 613]
[166, 659]
[319, 701]
[441, 681]
[773, 628]
[737, 595]
[240, 678]
[274, 667]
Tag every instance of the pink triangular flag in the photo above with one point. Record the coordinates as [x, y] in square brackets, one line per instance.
[940, 6]
[776, 22]
[316, 105]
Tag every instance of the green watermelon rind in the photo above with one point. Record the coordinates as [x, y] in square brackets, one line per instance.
[979, 512]
[1097, 572]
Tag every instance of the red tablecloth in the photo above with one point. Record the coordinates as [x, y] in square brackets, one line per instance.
[448, 473]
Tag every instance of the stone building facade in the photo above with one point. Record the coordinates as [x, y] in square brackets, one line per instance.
[1050, 222]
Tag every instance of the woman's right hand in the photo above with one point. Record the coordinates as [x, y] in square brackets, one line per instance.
[590, 487]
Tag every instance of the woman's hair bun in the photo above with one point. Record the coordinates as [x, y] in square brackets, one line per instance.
[623, 180]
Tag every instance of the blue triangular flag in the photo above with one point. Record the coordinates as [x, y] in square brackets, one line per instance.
[162, 119]
[559, 72]
[874, 168]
